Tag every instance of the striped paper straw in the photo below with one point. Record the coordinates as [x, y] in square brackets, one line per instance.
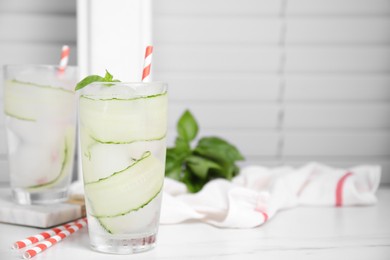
[44, 235]
[147, 63]
[42, 246]
[64, 58]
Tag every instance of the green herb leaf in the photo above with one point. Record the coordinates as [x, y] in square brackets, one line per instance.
[95, 78]
[213, 157]
[173, 165]
[88, 80]
[193, 183]
[108, 77]
[218, 149]
[201, 166]
[182, 146]
[228, 170]
[187, 126]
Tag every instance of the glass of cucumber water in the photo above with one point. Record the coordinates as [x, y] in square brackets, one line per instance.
[39, 105]
[122, 135]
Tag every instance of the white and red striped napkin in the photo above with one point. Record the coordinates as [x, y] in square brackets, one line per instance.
[258, 193]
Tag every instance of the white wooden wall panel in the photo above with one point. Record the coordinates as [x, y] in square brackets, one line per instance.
[20, 52]
[217, 30]
[29, 24]
[338, 30]
[33, 32]
[215, 58]
[338, 59]
[338, 7]
[322, 67]
[347, 143]
[218, 7]
[59, 7]
[334, 116]
[335, 87]
[225, 115]
[211, 87]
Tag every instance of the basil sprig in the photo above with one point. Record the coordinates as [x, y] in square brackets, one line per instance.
[95, 78]
[212, 157]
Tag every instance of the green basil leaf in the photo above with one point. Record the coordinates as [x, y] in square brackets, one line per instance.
[212, 158]
[88, 80]
[96, 78]
[218, 149]
[174, 172]
[228, 170]
[201, 166]
[193, 183]
[182, 146]
[108, 77]
[173, 165]
[187, 127]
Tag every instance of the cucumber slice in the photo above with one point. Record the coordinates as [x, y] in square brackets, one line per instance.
[29, 102]
[127, 190]
[66, 159]
[125, 120]
[101, 160]
[46, 162]
[144, 220]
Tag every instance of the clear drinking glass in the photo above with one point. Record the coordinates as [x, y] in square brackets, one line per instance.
[40, 109]
[122, 135]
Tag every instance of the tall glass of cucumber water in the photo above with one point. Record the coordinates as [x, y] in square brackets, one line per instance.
[40, 110]
[122, 134]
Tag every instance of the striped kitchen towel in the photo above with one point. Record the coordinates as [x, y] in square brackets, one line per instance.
[258, 193]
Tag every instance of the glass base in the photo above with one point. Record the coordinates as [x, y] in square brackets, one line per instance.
[122, 246]
[24, 197]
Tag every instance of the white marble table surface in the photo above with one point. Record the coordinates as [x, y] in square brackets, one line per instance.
[301, 233]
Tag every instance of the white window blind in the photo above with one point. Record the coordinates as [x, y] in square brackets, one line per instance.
[33, 32]
[287, 81]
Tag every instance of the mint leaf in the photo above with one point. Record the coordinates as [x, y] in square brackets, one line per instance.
[201, 166]
[187, 126]
[95, 78]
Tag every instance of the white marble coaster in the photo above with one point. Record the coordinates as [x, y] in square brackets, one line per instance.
[41, 216]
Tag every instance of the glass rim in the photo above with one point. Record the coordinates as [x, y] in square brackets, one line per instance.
[132, 83]
[130, 89]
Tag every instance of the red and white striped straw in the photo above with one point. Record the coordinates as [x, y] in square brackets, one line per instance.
[44, 235]
[64, 58]
[147, 63]
[42, 246]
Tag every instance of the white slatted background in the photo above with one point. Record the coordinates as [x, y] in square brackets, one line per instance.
[288, 81]
[33, 32]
